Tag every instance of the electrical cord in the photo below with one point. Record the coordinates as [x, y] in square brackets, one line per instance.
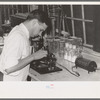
[75, 73]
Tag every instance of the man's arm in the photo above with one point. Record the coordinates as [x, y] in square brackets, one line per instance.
[24, 62]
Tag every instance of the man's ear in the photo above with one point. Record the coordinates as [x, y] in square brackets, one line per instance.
[34, 21]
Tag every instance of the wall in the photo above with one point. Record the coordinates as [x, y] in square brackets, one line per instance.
[96, 46]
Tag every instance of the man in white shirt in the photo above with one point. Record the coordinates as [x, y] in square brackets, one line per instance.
[16, 56]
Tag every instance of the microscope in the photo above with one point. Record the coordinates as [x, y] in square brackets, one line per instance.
[46, 64]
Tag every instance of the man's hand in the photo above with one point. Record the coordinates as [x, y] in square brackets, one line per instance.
[39, 54]
[25, 61]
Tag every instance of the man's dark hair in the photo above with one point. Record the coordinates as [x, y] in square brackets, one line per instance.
[40, 16]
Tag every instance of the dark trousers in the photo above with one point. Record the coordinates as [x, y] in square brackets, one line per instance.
[1, 76]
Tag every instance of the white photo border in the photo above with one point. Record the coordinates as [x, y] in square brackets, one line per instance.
[61, 89]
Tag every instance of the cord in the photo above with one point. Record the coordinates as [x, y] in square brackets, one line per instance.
[75, 74]
[75, 71]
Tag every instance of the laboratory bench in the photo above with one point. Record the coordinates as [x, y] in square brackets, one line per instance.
[66, 73]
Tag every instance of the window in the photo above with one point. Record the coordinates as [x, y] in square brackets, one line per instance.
[80, 22]
[8, 10]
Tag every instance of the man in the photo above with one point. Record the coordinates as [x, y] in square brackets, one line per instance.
[16, 56]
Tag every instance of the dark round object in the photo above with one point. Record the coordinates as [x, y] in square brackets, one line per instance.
[86, 64]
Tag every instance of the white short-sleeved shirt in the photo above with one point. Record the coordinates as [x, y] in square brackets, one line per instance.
[16, 47]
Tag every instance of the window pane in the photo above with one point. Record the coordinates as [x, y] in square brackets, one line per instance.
[88, 12]
[77, 11]
[78, 29]
[89, 32]
[68, 26]
[66, 10]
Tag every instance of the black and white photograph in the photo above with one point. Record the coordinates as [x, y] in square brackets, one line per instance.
[49, 49]
[49, 42]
